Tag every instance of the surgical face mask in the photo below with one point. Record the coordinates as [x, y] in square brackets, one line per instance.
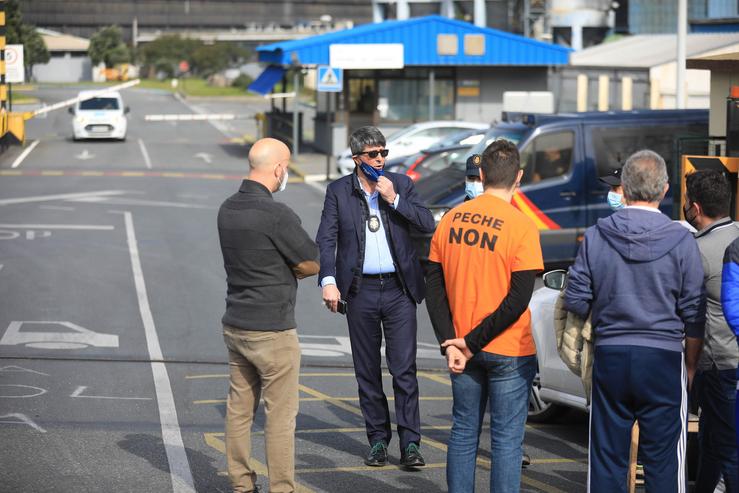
[614, 200]
[283, 183]
[687, 217]
[371, 173]
[473, 188]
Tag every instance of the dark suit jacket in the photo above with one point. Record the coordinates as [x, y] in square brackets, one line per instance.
[341, 235]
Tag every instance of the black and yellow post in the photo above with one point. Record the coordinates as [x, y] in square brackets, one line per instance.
[728, 165]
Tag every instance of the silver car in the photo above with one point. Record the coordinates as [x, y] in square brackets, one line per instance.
[555, 388]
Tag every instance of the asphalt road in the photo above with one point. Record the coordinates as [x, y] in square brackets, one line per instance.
[112, 374]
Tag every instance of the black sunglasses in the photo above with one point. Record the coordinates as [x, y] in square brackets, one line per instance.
[373, 154]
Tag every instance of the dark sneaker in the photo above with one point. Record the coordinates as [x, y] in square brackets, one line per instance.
[525, 460]
[411, 457]
[377, 456]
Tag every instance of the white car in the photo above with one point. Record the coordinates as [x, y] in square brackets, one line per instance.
[412, 139]
[99, 116]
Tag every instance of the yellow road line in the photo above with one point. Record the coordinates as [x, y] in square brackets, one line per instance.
[434, 377]
[10, 172]
[173, 175]
[213, 176]
[52, 173]
[427, 440]
[92, 173]
[132, 173]
[215, 441]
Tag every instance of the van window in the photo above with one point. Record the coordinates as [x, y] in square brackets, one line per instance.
[548, 156]
[614, 145]
[99, 104]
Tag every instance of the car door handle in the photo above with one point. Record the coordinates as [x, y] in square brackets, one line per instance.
[568, 193]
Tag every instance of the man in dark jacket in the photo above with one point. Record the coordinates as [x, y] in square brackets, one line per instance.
[368, 261]
[730, 301]
[639, 275]
[265, 251]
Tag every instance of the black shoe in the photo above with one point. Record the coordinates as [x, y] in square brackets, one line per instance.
[525, 460]
[411, 456]
[377, 456]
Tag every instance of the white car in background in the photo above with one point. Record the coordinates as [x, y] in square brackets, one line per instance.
[413, 139]
[99, 116]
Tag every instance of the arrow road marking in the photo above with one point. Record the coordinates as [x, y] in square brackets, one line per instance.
[21, 419]
[78, 393]
[84, 155]
[204, 156]
[19, 369]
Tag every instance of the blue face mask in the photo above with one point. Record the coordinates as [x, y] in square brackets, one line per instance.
[371, 173]
[472, 188]
[614, 200]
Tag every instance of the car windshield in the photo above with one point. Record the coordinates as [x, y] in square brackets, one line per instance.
[457, 138]
[515, 135]
[99, 104]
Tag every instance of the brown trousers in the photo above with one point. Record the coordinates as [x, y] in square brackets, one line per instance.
[266, 364]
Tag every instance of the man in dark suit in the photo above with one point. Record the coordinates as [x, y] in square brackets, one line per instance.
[367, 260]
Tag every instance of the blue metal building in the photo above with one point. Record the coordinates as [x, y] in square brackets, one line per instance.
[401, 72]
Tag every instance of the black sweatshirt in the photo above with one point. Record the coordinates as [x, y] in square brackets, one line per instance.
[509, 310]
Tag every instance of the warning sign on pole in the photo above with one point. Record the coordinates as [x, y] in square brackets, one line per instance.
[330, 79]
[14, 73]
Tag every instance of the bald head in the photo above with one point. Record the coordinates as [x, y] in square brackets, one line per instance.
[265, 153]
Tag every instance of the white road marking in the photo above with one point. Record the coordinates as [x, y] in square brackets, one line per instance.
[84, 155]
[147, 203]
[56, 208]
[78, 338]
[145, 153]
[39, 391]
[78, 394]
[85, 227]
[21, 419]
[25, 154]
[179, 466]
[63, 196]
[205, 157]
[19, 369]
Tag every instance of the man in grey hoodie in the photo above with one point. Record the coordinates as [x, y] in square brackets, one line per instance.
[639, 275]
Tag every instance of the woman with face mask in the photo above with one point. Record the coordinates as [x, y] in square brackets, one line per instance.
[616, 193]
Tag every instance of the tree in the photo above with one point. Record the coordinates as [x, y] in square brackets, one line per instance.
[210, 59]
[166, 52]
[18, 32]
[107, 46]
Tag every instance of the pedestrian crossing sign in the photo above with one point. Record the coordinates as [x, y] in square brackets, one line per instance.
[330, 79]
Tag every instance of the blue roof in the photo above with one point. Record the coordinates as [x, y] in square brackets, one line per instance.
[419, 37]
[266, 81]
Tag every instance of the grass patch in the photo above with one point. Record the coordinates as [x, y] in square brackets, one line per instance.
[23, 99]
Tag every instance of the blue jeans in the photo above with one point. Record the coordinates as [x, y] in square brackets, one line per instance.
[506, 382]
[716, 392]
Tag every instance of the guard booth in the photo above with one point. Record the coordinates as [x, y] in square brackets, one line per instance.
[396, 73]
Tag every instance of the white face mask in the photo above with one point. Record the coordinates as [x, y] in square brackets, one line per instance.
[473, 188]
[283, 183]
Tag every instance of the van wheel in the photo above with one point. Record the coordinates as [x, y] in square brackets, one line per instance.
[541, 411]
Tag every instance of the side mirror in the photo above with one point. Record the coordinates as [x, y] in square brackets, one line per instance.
[127, 110]
[70, 110]
[555, 279]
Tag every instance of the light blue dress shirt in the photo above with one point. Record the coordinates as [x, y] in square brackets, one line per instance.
[377, 256]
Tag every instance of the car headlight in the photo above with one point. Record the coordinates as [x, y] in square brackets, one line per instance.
[80, 120]
[438, 213]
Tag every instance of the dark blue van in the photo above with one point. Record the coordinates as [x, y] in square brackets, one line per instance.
[562, 157]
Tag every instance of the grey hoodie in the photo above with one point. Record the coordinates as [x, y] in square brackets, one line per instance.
[641, 276]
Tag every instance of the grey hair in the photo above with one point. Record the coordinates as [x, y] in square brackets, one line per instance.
[364, 137]
[644, 177]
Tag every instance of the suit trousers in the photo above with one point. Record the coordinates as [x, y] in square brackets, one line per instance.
[381, 307]
[266, 364]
